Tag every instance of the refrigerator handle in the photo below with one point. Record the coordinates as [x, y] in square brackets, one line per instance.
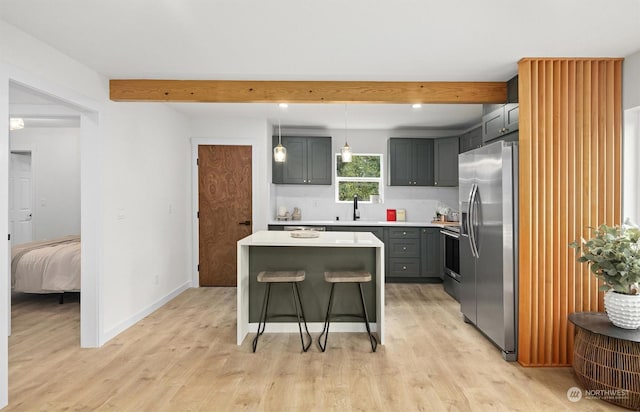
[470, 221]
[466, 215]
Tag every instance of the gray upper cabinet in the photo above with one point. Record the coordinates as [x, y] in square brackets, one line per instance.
[471, 140]
[400, 154]
[308, 161]
[445, 161]
[319, 171]
[511, 117]
[410, 162]
[294, 169]
[512, 90]
[423, 162]
[500, 122]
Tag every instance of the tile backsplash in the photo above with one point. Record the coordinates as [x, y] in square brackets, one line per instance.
[318, 202]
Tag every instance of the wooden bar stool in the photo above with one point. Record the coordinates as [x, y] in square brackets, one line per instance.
[346, 277]
[292, 277]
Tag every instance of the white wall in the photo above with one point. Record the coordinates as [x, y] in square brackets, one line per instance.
[631, 81]
[318, 202]
[55, 164]
[631, 137]
[146, 209]
[631, 168]
[138, 163]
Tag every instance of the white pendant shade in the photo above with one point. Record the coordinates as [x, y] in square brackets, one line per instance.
[345, 153]
[279, 153]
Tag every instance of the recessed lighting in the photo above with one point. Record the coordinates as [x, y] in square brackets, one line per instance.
[283, 105]
[416, 105]
[16, 123]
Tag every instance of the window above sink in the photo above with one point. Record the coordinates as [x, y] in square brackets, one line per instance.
[362, 177]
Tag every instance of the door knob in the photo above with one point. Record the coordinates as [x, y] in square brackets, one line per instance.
[246, 223]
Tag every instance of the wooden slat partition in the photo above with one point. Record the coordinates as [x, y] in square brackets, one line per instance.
[570, 180]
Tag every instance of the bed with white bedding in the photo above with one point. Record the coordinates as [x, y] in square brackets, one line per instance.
[50, 266]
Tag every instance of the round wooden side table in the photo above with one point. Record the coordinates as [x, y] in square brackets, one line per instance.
[606, 359]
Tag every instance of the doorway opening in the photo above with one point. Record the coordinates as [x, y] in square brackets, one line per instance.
[49, 107]
[44, 216]
[20, 197]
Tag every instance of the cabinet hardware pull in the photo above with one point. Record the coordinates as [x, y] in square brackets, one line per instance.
[246, 223]
[404, 248]
[404, 233]
[404, 268]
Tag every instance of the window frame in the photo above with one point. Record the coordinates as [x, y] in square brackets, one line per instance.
[338, 179]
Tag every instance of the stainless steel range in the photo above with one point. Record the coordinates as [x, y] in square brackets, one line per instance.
[451, 260]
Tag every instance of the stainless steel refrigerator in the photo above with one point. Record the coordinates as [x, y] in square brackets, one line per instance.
[488, 185]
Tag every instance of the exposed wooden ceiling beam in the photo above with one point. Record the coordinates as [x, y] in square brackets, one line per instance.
[250, 91]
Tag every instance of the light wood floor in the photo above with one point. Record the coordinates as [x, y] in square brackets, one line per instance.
[183, 357]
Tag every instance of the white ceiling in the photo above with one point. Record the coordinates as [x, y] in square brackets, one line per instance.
[390, 40]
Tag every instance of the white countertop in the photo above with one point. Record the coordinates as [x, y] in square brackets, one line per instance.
[326, 239]
[358, 223]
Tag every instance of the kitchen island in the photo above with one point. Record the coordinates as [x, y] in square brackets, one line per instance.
[413, 249]
[330, 251]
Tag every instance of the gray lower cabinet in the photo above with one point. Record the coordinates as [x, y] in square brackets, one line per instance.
[412, 254]
[445, 161]
[431, 255]
[308, 161]
[403, 251]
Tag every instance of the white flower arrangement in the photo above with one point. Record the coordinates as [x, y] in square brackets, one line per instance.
[442, 211]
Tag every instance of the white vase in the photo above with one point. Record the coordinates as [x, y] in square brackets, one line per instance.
[623, 310]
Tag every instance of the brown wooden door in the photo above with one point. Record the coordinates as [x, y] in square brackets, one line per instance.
[224, 198]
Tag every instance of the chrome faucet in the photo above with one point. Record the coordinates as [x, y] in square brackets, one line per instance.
[356, 212]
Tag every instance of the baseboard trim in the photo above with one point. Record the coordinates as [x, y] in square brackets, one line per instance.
[126, 324]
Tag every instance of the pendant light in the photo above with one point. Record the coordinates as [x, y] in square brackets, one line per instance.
[279, 152]
[345, 152]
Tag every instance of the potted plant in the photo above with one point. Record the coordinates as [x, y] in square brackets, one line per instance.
[441, 213]
[613, 256]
